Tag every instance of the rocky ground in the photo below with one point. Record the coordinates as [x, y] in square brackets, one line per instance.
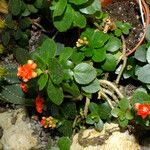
[18, 131]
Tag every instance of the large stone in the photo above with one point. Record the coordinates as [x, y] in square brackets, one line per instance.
[110, 138]
[17, 134]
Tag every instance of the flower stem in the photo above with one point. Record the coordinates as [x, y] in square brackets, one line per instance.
[124, 58]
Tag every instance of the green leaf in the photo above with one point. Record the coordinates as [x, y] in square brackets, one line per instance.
[99, 55]
[144, 74]
[115, 112]
[65, 54]
[64, 143]
[148, 55]
[79, 20]
[123, 123]
[147, 36]
[98, 39]
[64, 22]
[130, 68]
[25, 23]
[124, 104]
[32, 9]
[90, 120]
[14, 94]
[129, 115]
[110, 63]
[94, 108]
[99, 125]
[140, 97]
[22, 55]
[104, 111]
[68, 109]
[59, 7]
[84, 73]
[5, 38]
[11, 73]
[118, 32]
[113, 44]
[78, 2]
[48, 49]
[42, 81]
[140, 53]
[39, 4]
[72, 89]
[92, 8]
[66, 128]
[93, 87]
[55, 93]
[77, 57]
[55, 71]
[15, 7]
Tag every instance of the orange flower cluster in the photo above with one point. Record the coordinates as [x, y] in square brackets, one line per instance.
[48, 122]
[39, 102]
[24, 87]
[27, 71]
[143, 110]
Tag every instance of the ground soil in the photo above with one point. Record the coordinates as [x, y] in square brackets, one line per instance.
[127, 11]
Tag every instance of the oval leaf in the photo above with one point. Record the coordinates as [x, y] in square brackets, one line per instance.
[55, 93]
[84, 73]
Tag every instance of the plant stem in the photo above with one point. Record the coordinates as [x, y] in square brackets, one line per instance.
[111, 85]
[87, 103]
[107, 99]
[124, 58]
[111, 94]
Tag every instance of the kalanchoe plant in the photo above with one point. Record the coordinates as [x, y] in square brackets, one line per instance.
[72, 84]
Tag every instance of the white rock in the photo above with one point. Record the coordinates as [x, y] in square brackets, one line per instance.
[17, 136]
[116, 141]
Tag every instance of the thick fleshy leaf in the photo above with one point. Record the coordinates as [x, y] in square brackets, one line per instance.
[144, 74]
[64, 143]
[59, 7]
[79, 20]
[64, 22]
[42, 81]
[66, 53]
[99, 55]
[84, 73]
[55, 93]
[110, 63]
[92, 8]
[15, 6]
[140, 53]
[93, 87]
[113, 44]
[55, 71]
[148, 55]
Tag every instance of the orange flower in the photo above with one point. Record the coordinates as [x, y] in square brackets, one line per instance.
[39, 104]
[143, 110]
[27, 71]
[24, 87]
[48, 122]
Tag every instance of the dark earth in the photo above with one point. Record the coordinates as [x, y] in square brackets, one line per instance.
[127, 11]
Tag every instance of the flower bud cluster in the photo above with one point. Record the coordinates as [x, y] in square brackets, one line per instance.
[82, 42]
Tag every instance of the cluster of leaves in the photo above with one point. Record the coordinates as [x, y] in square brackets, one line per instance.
[138, 65]
[70, 13]
[67, 75]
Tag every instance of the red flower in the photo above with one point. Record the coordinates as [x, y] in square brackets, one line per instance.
[43, 121]
[143, 110]
[24, 87]
[48, 122]
[39, 104]
[27, 71]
